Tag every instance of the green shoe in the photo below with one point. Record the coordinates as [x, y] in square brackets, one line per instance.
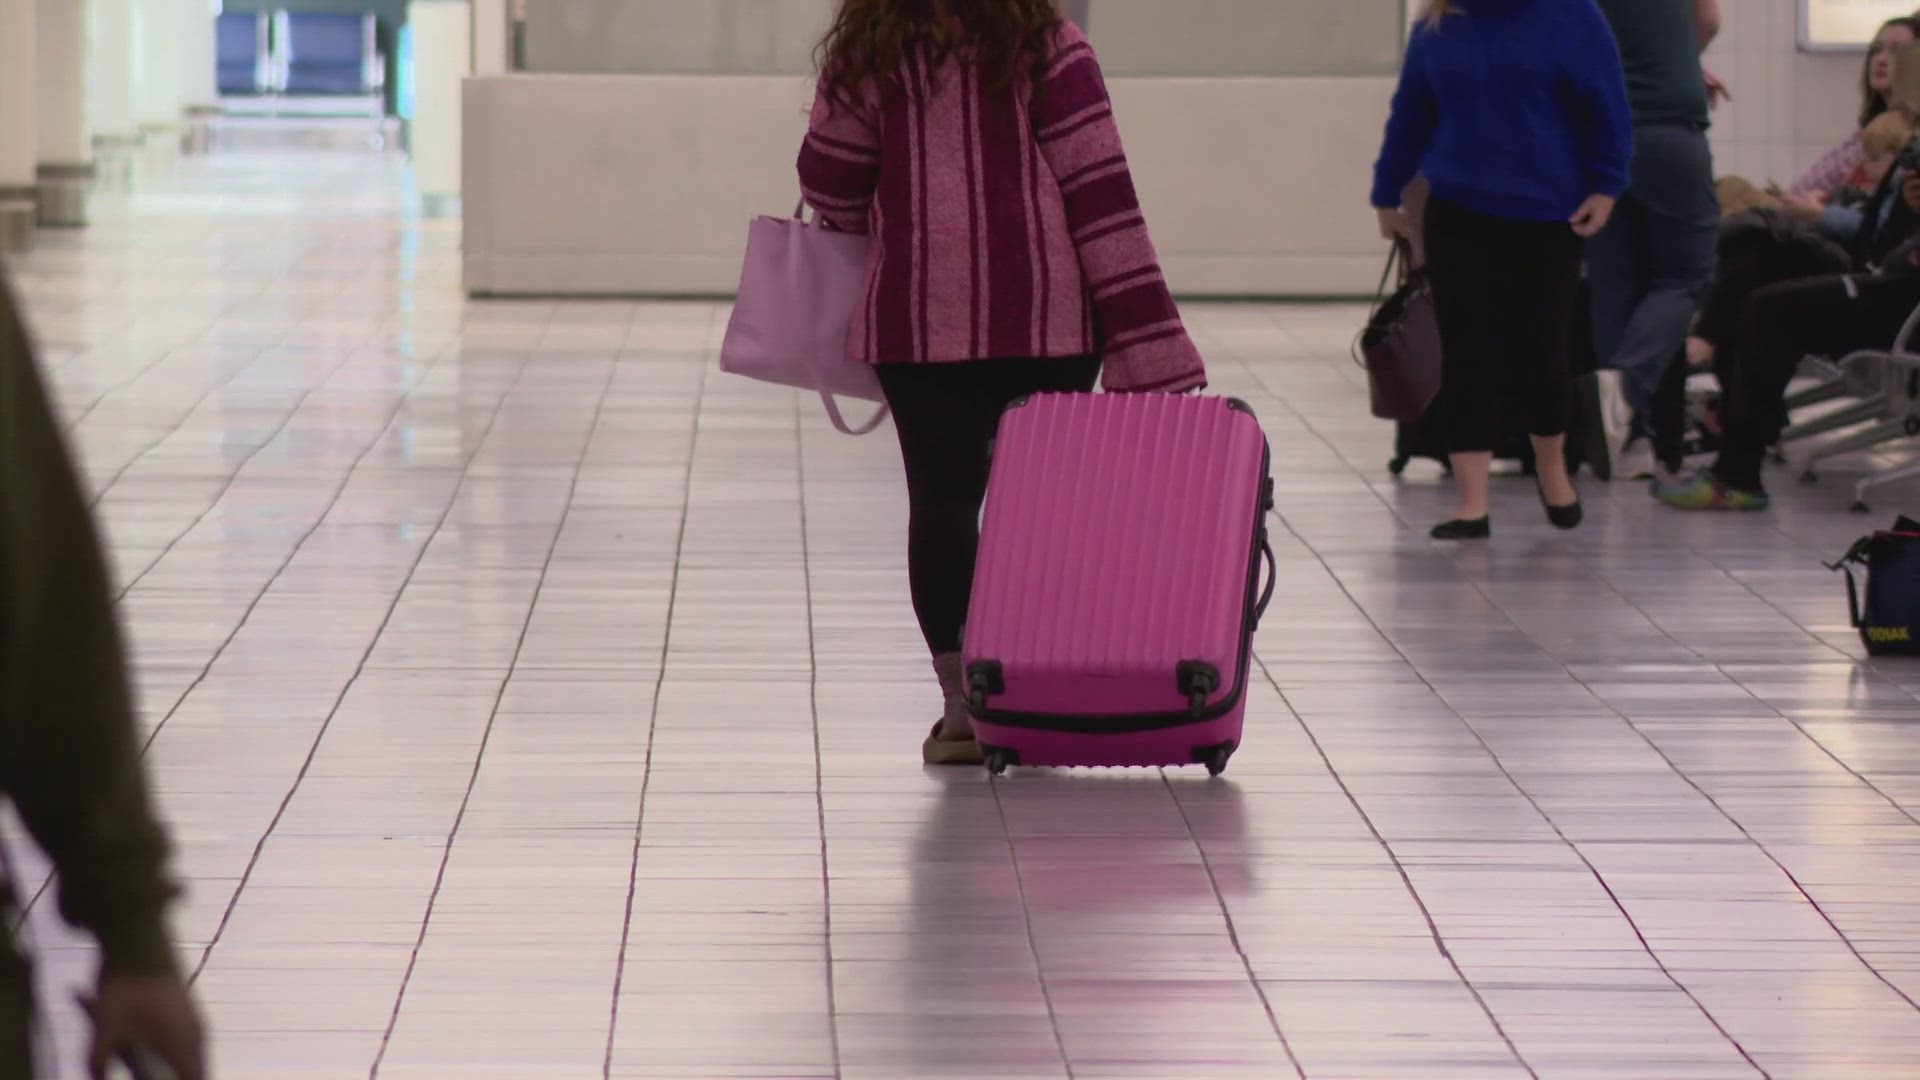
[1704, 491]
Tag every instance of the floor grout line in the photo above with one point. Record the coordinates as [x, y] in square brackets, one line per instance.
[313, 748]
[653, 723]
[493, 716]
[819, 756]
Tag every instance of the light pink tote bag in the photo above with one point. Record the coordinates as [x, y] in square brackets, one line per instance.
[799, 291]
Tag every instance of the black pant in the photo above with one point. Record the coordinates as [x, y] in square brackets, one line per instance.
[1755, 252]
[1783, 324]
[947, 416]
[1505, 293]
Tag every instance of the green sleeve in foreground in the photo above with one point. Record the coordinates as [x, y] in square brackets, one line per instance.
[69, 752]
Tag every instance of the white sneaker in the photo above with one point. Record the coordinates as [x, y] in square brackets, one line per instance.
[1635, 462]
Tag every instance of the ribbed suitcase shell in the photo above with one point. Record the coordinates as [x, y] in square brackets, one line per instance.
[1121, 541]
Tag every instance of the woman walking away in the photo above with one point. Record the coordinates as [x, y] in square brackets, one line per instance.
[1516, 113]
[973, 139]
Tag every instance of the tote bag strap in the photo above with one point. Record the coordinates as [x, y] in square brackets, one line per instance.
[834, 414]
[840, 420]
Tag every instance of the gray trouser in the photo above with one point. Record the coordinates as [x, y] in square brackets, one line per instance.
[1651, 267]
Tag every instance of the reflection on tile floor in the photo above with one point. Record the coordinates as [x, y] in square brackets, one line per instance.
[533, 701]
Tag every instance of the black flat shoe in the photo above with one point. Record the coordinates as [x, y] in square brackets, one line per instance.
[1476, 529]
[1564, 517]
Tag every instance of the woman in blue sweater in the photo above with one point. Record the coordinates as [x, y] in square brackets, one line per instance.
[1516, 113]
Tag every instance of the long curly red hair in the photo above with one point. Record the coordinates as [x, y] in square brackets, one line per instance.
[866, 49]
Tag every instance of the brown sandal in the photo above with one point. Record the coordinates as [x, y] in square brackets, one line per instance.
[939, 751]
[943, 750]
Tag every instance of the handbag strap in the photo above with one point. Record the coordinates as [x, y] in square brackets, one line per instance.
[1399, 257]
[834, 414]
[1858, 554]
[1853, 598]
[840, 420]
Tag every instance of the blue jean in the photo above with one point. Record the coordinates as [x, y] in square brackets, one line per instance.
[1652, 265]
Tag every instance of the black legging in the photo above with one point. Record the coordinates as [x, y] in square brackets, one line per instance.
[947, 415]
[1505, 293]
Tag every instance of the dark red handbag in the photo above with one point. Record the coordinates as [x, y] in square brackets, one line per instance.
[1400, 347]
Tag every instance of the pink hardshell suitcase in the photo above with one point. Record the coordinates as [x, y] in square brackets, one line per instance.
[1118, 584]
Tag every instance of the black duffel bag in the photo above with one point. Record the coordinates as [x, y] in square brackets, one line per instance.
[1887, 610]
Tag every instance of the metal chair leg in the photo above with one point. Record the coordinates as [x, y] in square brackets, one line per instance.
[1867, 439]
[1871, 409]
[1818, 395]
[1882, 479]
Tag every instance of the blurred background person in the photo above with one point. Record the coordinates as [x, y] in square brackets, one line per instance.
[69, 751]
[1650, 267]
[1516, 113]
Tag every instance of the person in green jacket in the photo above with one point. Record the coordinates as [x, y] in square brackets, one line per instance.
[69, 752]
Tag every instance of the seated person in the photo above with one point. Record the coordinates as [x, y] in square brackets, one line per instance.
[1809, 195]
[1881, 144]
[1764, 248]
[1837, 211]
[1780, 325]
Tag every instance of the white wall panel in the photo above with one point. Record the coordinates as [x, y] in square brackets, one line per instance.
[644, 185]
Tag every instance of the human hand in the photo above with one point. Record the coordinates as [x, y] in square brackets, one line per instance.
[1394, 224]
[1717, 92]
[1593, 216]
[157, 1014]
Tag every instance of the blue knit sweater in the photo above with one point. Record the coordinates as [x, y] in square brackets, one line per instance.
[1513, 108]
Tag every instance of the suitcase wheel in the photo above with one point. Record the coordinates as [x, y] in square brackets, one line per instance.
[1399, 465]
[999, 760]
[1215, 758]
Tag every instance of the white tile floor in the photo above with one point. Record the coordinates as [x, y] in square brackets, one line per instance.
[534, 701]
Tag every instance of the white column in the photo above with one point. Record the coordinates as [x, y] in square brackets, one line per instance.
[64, 145]
[110, 73]
[491, 45]
[156, 100]
[199, 87]
[19, 146]
[442, 60]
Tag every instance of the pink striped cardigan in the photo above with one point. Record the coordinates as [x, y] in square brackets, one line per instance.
[1833, 168]
[1005, 224]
